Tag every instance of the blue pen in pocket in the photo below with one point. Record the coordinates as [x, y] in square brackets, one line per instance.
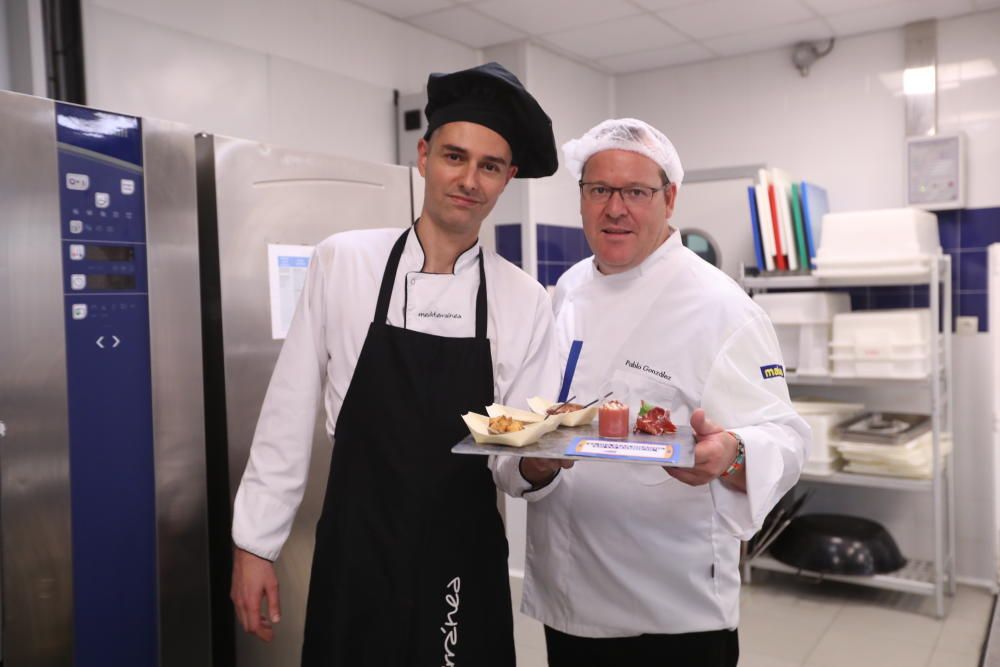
[574, 356]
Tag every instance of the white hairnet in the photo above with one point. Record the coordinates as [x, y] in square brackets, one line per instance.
[625, 134]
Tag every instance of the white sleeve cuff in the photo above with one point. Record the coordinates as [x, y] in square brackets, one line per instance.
[507, 476]
[261, 523]
[743, 513]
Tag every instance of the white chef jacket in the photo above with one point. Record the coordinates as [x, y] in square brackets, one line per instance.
[616, 549]
[325, 339]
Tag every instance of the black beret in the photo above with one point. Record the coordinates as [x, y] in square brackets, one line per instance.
[491, 96]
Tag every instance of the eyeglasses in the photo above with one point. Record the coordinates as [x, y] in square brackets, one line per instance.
[630, 194]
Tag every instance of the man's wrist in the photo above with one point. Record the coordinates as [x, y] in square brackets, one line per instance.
[535, 486]
[739, 461]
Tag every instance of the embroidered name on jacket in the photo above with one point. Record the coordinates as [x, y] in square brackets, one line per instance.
[450, 627]
[646, 369]
[440, 316]
[772, 371]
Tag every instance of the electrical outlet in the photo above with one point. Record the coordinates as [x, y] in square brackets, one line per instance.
[966, 325]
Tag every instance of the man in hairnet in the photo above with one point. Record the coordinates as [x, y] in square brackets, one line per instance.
[632, 564]
[408, 329]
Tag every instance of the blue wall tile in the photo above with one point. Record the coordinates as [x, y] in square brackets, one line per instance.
[559, 247]
[980, 227]
[891, 297]
[548, 274]
[974, 303]
[508, 240]
[949, 229]
[542, 248]
[556, 271]
[973, 273]
[966, 233]
[556, 248]
[582, 249]
[860, 298]
[542, 237]
[543, 273]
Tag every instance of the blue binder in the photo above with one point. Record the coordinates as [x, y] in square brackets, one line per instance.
[758, 246]
[814, 206]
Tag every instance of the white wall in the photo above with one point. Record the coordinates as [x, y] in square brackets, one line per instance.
[576, 98]
[843, 126]
[333, 35]
[309, 74]
[969, 47]
[840, 127]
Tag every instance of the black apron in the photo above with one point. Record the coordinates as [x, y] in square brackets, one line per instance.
[410, 566]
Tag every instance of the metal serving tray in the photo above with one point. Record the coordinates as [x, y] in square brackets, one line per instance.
[888, 428]
[583, 443]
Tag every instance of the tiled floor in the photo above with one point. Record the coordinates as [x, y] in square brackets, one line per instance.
[790, 623]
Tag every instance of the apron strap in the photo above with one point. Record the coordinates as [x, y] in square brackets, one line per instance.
[481, 300]
[389, 277]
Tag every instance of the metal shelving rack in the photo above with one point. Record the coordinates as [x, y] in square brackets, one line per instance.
[935, 577]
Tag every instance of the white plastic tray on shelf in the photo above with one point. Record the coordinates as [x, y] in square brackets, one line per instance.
[802, 321]
[881, 242]
[823, 417]
[913, 459]
[881, 343]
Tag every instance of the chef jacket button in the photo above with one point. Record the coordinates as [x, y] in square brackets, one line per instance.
[413, 281]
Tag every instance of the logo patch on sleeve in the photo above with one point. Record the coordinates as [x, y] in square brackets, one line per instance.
[772, 371]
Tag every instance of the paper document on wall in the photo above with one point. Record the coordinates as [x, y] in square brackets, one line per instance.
[287, 266]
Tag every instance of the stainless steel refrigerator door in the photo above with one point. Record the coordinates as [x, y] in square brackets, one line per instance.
[270, 195]
[178, 407]
[34, 453]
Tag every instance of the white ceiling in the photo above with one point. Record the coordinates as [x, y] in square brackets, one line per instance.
[620, 36]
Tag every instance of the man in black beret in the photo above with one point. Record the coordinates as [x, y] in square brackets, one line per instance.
[489, 95]
[408, 331]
